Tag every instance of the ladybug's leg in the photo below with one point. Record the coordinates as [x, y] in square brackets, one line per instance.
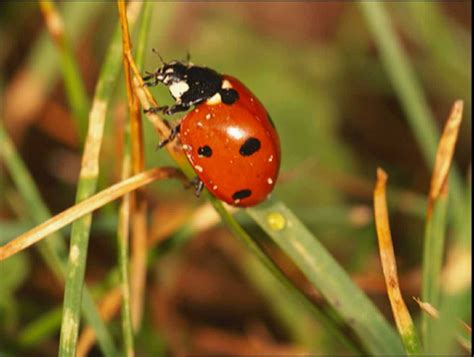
[198, 186]
[168, 110]
[173, 133]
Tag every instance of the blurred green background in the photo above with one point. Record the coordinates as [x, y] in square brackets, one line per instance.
[316, 68]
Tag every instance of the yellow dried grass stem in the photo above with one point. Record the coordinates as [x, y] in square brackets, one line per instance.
[444, 154]
[138, 201]
[387, 256]
[87, 206]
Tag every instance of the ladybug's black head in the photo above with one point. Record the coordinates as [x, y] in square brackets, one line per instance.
[189, 84]
[170, 73]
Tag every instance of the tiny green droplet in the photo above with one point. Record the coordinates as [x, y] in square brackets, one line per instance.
[276, 221]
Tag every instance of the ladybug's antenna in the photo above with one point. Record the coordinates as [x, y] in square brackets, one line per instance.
[188, 57]
[158, 54]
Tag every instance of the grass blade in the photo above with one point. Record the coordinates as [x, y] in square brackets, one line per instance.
[40, 72]
[328, 277]
[75, 89]
[435, 228]
[86, 187]
[387, 256]
[85, 207]
[412, 98]
[138, 200]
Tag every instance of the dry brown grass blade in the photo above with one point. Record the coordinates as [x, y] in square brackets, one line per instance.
[138, 199]
[444, 154]
[87, 206]
[54, 22]
[108, 307]
[387, 256]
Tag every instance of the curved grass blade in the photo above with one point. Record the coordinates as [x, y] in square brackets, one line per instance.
[387, 256]
[327, 276]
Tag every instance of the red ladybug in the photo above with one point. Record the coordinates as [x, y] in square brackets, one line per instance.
[228, 136]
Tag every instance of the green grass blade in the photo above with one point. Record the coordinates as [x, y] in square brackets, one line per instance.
[53, 250]
[41, 328]
[327, 277]
[86, 187]
[330, 324]
[412, 98]
[432, 259]
[74, 86]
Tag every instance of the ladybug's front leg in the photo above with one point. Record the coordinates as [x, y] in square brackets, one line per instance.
[173, 133]
[168, 110]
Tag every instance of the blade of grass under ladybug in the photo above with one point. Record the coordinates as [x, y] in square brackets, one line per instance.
[74, 85]
[403, 320]
[53, 250]
[327, 276]
[41, 70]
[413, 100]
[273, 268]
[435, 228]
[86, 187]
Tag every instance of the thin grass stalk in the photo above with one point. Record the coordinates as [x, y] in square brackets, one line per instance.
[403, 320]
[86, 207]
[41, 68]
[412, 98]
[74, 85]
[53, 250]
[435, 228]
[108, 305]
[86, 187]
[138, 199]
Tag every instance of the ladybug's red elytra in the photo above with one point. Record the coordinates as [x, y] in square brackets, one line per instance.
[228, 136]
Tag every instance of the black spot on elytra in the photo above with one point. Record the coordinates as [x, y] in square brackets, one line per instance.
[205, 151]
[229, 96]
[251, 146]
[240, 195]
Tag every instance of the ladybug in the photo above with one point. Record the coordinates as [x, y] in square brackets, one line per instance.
[228, 136]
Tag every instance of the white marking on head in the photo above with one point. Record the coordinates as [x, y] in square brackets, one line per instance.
[177, 89]
[270, 159]
[226, 84]
[214, 187]
[215, 99]
[198, 168]
[269, 181]
[186, 147]
[199, 124]
[170, 70]
[208, 116]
